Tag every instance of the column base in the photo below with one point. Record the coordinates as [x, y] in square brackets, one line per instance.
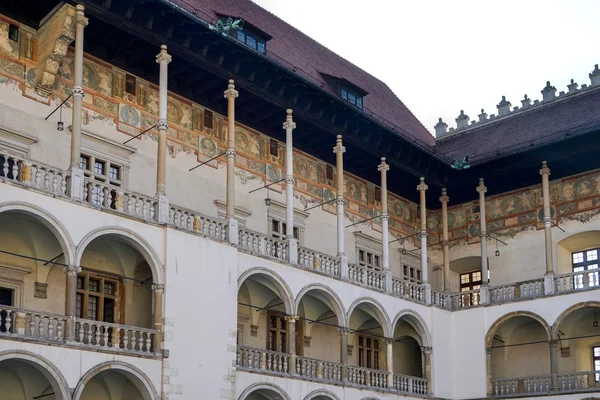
[388, 280]
[292, 251]
[162, 208]
[343, 265]
[484, 294]
[76, 183]
[233, 230]
[549, 283]
[427, 293]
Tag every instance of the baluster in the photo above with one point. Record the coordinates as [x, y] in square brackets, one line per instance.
[51, 328]
[54, 183]
[63, 183]
[148, 341]
[46, 179]
[80, 332]
[152, 212]
[59, 329]
[38, 176]
[8, 321]
[108, 201]
[141, 341]
[89, 333]
[15, 169]
[32, 329]
[145, 209]
[98, 333]
[136, 204]
[5, 167]
[125, 339]
[105, 336]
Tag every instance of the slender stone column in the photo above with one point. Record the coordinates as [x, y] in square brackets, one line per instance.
[231, 94]
[339, 151]
[484, 291]
[291, 328]
[488, 366]
[158, 290]
[163, 59]
[77, 178]
[389, 355]
[549, 276]
[446, 270]
[289, 125]
[70, 302]
[344, 351]
[426, 357]
[422, 188]
[385, 235]
[554, 364]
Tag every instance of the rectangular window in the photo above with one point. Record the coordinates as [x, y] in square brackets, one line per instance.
[369, 259]
[586, 261]
[13, 32]
[412, 274]
[99, 167]
[130, 84]
[114, 173]
[351, 96]
[208, 119]
[377, 193]
[277, 334]
[279, 229]
[329, 172]
[6, 299]
[470, 281]
[84, 162]
[273, 147]
[97, 297]
[368, 352]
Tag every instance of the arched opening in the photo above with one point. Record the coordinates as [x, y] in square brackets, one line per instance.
[115, 286]
[112, 381]
[317, 330]
[408, 341]
[27, 280]
[321, 395]
[518, 348]
[264, 392]
[23, 379]
[579, 256]
[115, 283]
[465, 276]
[264, 331]
[577, 332]
[369, 328]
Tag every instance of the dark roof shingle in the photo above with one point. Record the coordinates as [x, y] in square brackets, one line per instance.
[310, 59]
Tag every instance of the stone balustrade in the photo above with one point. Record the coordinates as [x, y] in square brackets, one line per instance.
[114, 336]
[260, 244]
[367, 377]
[366, 276]
[36, 175]
[410, 384]
[408, 290]
[465, 299]
[32, 324]
[577, 281]
[112, 197]
[520, 290]
[326, 371]
[579, 381]
[521, 386]
[194, 222]
[318, 261]
[48, 327]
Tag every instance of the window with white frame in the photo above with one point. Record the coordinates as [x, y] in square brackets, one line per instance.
[276, 215]
[586, 260]
[368, 251]
[101, 170]
[97, 297]
[410, 267]
[412, 274]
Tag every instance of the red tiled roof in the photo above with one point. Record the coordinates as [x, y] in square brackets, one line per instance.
[544, 124]
[310, 59]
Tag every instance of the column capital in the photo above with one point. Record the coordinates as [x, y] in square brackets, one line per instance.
[423, 234]
[163, 57]
[426, 350]
[339, 148]
[343, 331]
[544, 170]
[80, 18]
[72, 270]
[230, 153]
[292, 318]
[389, 340]
[481, 188]
[162, 124]
[340, 201]
[78, 91]
[421, 187]
[444, 198]
[289, 121]
[383, 166]
[384, 217]
[231, 93]
[158, 288]
[290, 179]
[553, 343]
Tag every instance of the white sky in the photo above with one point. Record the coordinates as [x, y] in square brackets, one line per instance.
[441, 56]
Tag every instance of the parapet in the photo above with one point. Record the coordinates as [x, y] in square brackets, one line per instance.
[504, 106]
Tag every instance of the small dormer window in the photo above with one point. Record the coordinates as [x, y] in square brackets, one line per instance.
[351, 96]
[252, 40]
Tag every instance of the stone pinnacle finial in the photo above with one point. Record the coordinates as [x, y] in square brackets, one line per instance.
[595, 76]
[503, 107]
[441, 128]
[462, 121]
[289, 112]
[548, 92]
